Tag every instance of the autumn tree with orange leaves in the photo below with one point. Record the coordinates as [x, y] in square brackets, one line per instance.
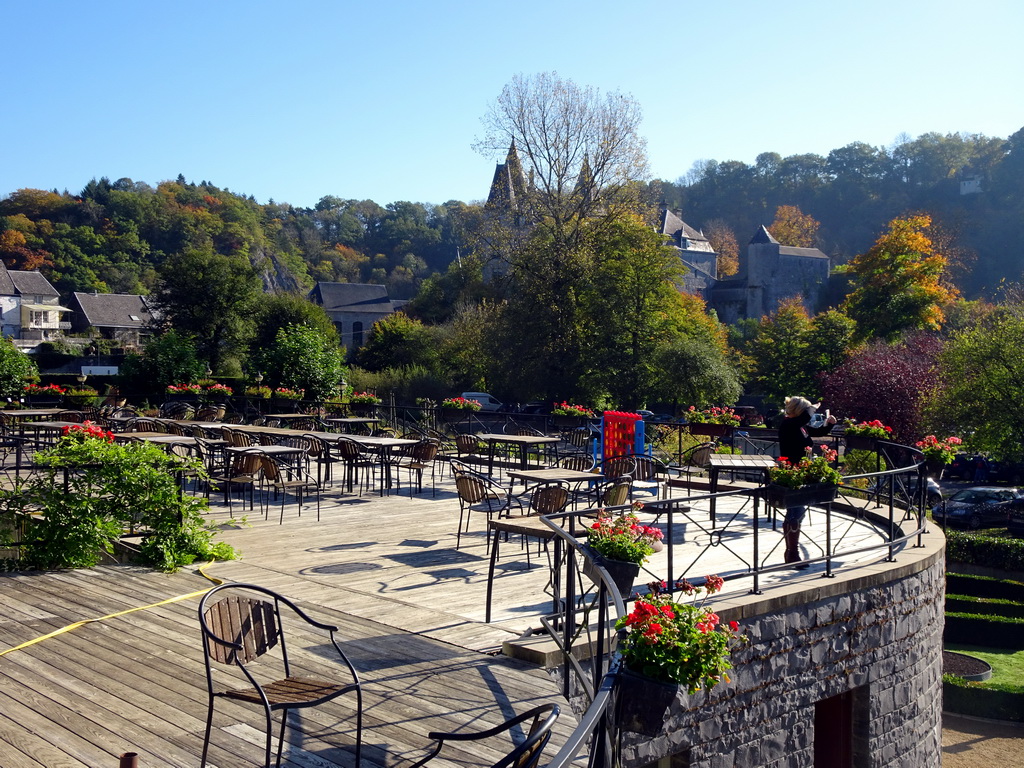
[899, 282]
[793, 227]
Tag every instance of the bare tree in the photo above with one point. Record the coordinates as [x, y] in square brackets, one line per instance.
[579, 148]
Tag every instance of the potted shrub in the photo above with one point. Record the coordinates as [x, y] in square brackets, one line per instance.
[668, 647]
[811, 480]
[711, 422]
[863, 436]
[363, 402]
[566, 414]
[80, 396]
[287, 399]
[938, 453]
[457, 407]
[258, 392]
[44, 394]
[183, 391]
[620, 544]
[217, 393]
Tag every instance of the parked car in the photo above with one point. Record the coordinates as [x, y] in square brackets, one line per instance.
[487, 403]
[965, 467]
[1015, 525]
[1011, 472]
[979, 507]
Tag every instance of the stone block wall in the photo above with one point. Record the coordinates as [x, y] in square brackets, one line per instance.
[878, 637]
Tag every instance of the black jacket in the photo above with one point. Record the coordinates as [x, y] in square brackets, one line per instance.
[795, 436]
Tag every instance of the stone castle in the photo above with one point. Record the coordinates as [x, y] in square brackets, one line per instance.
[769, 272]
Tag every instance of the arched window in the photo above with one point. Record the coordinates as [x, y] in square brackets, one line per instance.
[357, 334]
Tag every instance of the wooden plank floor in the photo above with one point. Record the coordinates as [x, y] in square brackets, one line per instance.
[410, 607]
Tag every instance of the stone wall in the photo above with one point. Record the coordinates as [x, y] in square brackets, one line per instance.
[877, 635]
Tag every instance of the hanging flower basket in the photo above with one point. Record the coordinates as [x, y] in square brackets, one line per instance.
[710, 430]
[934, 468]
[623, 573]
[644, 702]
[784, 497]
[860, 443]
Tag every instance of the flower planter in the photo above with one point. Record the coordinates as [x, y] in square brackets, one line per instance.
[710, 430]
[860, 443]
[455, 414]
[934, 468]
[568, 422]
[284, 405]
[783, 497]
[623, 573]
[644, 702]
[362, 409]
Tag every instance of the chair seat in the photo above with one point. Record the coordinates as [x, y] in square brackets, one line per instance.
[291, 691]
[528, 526]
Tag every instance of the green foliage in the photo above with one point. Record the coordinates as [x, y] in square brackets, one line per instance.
[15, 369]
[397, 341]
[304, 358]
[94, 489]
[211, 297]
[167, 359]
[988, 551]
[679, 643]
[981, 391]
[898, 282]
[280, 310]
[408, 383]
[622, 537]
[694, 370]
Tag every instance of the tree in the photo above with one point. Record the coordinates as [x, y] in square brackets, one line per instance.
[899, 282]
[585, 159]
[981, 383]
[694, 371]
[396, 341]
[633, 307]
[304, 357]
[889, 382]
[723, 240]
[779, 353]
[793, 227]
[283, 309]
[15, 368]
[169, 358]
[210, 297]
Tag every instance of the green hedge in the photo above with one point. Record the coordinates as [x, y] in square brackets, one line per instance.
[984, 587]
[966, 698]
[975, 605]
[988, 551]
[997, 631]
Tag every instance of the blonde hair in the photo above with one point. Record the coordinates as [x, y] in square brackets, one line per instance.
[797, 405]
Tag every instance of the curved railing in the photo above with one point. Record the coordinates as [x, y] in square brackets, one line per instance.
[892, 501]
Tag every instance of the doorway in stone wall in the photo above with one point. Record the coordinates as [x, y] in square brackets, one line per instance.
[833, 731]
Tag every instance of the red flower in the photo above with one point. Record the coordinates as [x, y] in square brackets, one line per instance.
[734, 626]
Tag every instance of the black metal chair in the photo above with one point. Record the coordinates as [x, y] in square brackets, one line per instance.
[239, 629]
[525, 755]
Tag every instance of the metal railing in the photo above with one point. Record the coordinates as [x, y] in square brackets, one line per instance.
[584, 629]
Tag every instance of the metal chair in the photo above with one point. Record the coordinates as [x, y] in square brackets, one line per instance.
[239, 629]
[692, 462]
[479, 494]
[525, 755]
[421, 457]
[545, 499]
[284, 479]
[355, 458]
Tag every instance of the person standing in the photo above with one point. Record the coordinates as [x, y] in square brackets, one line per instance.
[795, 435]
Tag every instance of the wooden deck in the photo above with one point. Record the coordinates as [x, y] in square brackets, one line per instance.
[410, 607]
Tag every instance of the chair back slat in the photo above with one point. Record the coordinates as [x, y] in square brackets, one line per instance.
[250, 623]
[549, 499]
[471, 489]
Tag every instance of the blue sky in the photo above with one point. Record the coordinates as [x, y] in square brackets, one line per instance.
[293, 101]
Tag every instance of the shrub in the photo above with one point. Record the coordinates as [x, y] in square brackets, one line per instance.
[988, 551]
[15, 367]
[93, 489]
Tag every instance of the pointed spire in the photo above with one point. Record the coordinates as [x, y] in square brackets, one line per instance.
[509, 184]
[763, 236]
[585, 181]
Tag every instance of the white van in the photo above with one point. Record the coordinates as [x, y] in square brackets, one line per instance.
[487, 403]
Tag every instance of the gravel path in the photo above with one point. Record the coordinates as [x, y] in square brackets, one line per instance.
[970, 742]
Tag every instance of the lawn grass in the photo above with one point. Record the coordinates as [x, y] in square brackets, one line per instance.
[1007, 666]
